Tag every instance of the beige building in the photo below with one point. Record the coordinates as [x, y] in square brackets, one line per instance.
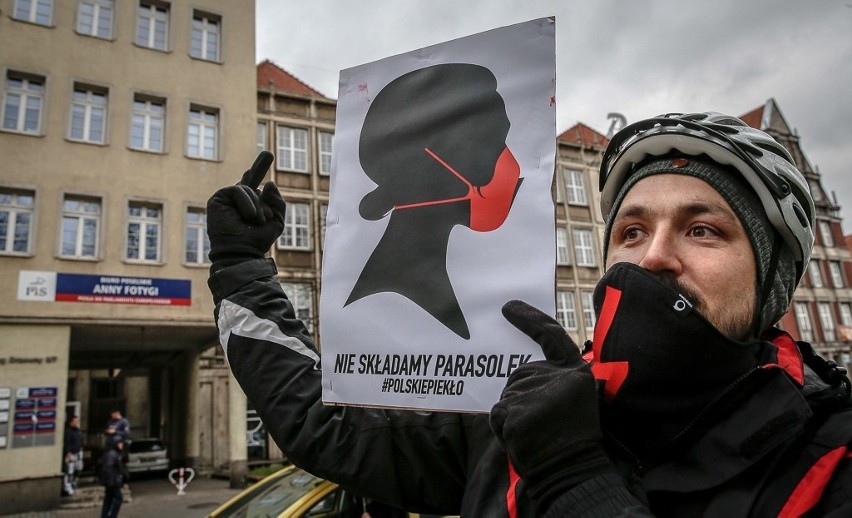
[118, 119]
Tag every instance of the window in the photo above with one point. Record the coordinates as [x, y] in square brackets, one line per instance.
[147, 123]
[297, 227]
[202, 138]
[323, 218]
[80, 222]
[587, 301]
[826, 319]
[144, 222]
[565, 312]
[825, 233]
[575, 187]
[325, 142]
[584, 252]
[803, 320]
[16, 221]
[292, 149]
[836, 274]
[22, 103]
[816, 275]
[197, 242]
[846, 314]
[261, 137]
[300, 295]
[94, 18]
[204, 42]
[88, 114]
[35, 11]
[562, 254]
[152, 25]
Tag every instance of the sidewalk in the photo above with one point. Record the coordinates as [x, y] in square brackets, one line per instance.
[157, 497]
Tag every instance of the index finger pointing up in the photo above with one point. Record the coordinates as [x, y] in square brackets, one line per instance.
[255, 174]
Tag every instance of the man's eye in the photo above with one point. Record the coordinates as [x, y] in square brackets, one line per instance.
[631, 234]
[702, 231]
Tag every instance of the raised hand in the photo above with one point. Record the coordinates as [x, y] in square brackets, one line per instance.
[243, 222]
[547, 417]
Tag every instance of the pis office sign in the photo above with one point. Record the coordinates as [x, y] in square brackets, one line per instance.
[105, 289]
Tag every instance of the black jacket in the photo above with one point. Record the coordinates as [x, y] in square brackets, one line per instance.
[751, 462]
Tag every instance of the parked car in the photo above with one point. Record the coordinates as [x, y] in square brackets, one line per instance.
[295, 493]
[147, 455]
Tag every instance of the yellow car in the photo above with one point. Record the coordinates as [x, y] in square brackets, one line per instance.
[295, 493]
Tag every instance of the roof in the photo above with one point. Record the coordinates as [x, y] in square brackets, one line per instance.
[584, 136]
[270, 75]
[754, 117]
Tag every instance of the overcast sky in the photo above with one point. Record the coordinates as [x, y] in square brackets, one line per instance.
[639, 58]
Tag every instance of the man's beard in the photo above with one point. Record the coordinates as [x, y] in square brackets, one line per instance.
[734, 319]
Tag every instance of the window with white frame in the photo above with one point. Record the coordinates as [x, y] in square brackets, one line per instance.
[826, 319]
[95, 18]
[825, 233]
[815, 273]
[325, 142]
[566, 314]
[204, 41]
[202, 133]
[144, 228]
[23, 99]
[81, 217]
[197, 245]
[584, 251]
[575, 187]
[152, 25]
[88, 114]
[301, 296]
[261, 137]
[292, 149]
[148, 123]
[845, 313]
[323, 218]
[35, 11]
[587, 301]
[563, 256]
[297, 227]
[803, 321]
[16, 221]
[836, 274]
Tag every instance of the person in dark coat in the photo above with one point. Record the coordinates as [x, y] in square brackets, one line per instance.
[690, 400]
[72, 455]
[112, 476]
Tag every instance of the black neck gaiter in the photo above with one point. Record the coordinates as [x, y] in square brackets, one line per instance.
[661, 367]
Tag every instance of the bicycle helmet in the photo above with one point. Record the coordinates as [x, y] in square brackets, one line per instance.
[764, 163]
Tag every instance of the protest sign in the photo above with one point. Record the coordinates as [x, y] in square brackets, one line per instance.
[440, 211]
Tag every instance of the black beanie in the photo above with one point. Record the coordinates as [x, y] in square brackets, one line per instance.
[776, 268]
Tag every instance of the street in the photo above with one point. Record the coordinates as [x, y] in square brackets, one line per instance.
[155, 496]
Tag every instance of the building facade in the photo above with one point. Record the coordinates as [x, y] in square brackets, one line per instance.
[118, 120]
[821, 312]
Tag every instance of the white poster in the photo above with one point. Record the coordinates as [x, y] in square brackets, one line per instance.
[440, 212]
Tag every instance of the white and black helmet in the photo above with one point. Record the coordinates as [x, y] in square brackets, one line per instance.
[764, 163]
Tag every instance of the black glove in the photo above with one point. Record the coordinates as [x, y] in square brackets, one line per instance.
[242, 222]
[547, 417]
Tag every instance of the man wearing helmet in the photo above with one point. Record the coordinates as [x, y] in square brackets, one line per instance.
[688, 401]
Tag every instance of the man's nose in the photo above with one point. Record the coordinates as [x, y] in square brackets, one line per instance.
[662, 254]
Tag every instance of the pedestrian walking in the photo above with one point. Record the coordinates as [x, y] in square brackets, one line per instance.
[112, 476]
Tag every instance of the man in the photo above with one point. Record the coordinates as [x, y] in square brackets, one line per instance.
[72, 454]
[118, 426]
[112, 476]
[692, 403]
